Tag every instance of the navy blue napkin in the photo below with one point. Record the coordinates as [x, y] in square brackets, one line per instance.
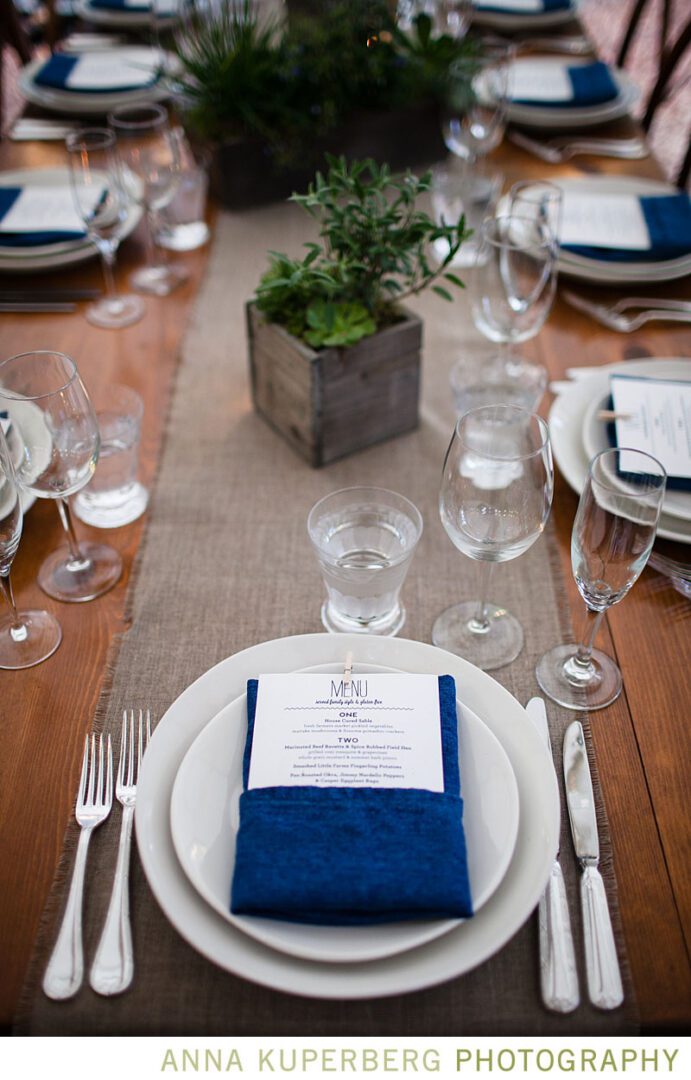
[668, 218]
[354, 856]
[592, 85]
[56, 71]
[546, 5]
[119, 5]
[8, 195]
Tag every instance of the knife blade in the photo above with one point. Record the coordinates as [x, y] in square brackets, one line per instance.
[558, 974]
[26, 307]
[39, 296]
[602, 965]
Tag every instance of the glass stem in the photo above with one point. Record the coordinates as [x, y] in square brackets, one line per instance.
[18, 631]
[585, 649]
[480, 624]
[76, 560]
[108, 261]
[153, 257]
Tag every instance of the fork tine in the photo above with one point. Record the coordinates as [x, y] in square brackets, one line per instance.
[123, 747]
[101, 778]
[81, 794]
[140, 739]
[92, 771]
[109, 773]
[148, 726]
[130, 755]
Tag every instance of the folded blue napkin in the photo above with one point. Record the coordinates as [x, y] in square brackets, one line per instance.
[592, 85]
[668, 218]
[58, 68]
[120, 5]
[354, 856]
[8, 196]
[545, 5]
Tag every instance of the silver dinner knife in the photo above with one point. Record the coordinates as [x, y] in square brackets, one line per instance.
[602, 965]
[558, 974]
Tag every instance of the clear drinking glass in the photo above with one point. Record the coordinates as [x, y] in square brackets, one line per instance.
[540, 200]
[150, 170]
[493, 378]
[102, 204]
[463, 188]
[26, 637]
[494, 501]
[181, 224]
[58, 431]
[364, 539]
[613, 534]
[476, 102]
[451, 17]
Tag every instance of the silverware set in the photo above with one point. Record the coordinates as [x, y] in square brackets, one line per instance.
[558, 972]
[560, 149]
[614, 316]
[113, 967]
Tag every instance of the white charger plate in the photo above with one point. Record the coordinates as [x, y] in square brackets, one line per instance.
[204, 817]
[64, 253]
[457, 951]
[612, 273]
[566, 422]
[568, 117]
[525, 22]
[83, 103]
[120, 19]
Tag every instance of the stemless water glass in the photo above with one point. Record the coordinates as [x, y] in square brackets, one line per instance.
[58, 433]
[613, 534]
[102, 204]
[494, 501]
[476, 102]
[26, 637]
[150, 169]
[364, 539]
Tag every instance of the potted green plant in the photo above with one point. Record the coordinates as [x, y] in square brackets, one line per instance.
[334, 355]
[271, 100]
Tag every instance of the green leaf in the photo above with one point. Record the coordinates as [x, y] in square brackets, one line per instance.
[442, 292]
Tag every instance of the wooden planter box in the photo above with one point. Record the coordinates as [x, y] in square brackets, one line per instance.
[243, 173]
[328, 403]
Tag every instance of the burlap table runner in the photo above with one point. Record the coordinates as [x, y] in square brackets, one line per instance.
[226, 564]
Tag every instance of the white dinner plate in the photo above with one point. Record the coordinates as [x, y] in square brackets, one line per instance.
[204, 815]
[526, 23]
[566, 421]
[64, 253]
[83, 103]
[612, 273]
[573, 117]
[457, 951]
[27, 417]
[123, 20]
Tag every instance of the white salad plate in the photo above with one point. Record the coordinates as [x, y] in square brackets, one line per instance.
[570, 117]
[567, 419]
[613, 273]
[204, 816]
[524, 21]
[83, 102]
[120, 19]
[457, 951]
[65, 252]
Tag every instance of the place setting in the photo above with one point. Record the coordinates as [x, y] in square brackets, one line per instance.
[523, 16]
[130, 14]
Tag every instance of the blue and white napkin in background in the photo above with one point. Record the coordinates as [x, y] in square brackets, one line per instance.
[522, 7]
[556, 85]
[101, 72]
[163, 8]
[626, 227]
[33, 216]
[354, 856]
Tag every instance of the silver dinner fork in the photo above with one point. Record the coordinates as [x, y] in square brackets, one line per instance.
[65, 969]
[614, 318]
[113, 966]
[557, 150]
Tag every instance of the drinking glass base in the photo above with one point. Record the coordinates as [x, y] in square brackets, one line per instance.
[158, 280]
[386, 626]
[97, 512]
[489, 648]
[39, 638]
[114, 314]
[74, 581]
[585, 689]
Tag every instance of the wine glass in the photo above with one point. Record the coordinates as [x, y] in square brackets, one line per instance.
[538, 199]
[494, 501]
[26, 637]
[476, 102]
[102, 204]
[150, 169]
[613, 534]
[58, 433]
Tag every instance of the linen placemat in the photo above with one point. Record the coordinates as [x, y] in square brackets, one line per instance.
[225, 564]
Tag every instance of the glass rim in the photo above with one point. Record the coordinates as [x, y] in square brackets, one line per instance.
[157, 112]
[609, 485]
[415, 514]
[546, 240]
[523, 187]
[82, 136]
[11, 395]
[542, 427]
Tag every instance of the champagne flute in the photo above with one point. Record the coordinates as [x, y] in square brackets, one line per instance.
[26, 637]
[613, 535]
[476, 102]
[494, 501]
[150, 169]
[102, 205]
[59, 435]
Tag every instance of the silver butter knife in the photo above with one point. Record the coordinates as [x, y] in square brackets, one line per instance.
[558, 974]
[602, 965]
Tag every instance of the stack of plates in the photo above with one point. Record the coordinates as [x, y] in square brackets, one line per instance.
[187, 817]
[567, 117]
[524, 21]
[25, 260]
[577, 435]
[86, 103]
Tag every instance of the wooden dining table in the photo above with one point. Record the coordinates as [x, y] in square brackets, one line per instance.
[642, 742]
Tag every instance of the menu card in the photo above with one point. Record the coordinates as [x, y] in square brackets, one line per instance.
[546, 82]
[38, 209]
[656, 418]
[380, 730]
[601, 220]
[121, 68]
